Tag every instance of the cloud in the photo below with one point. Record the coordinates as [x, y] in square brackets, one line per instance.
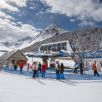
[81, 9]
[10, 30]
[19, 3]
[12, 5]
[6, 6]
[4, 15]
[86, 23]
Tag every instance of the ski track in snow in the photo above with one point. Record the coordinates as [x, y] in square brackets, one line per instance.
[15, 88]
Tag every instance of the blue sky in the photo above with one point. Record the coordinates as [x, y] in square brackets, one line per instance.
[36, 14]
[28, 17]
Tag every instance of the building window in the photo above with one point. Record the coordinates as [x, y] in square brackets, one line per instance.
[42, 49]
[49, 48]
[45, 48]
[54, 47]
[58, 47]
[64, 46]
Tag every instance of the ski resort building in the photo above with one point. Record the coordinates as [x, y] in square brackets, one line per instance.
[13, 56]
[56, 47]
[55, 51]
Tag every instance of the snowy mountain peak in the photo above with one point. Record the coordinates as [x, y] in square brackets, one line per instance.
[51, 26]
[50, 31]
[53, 29]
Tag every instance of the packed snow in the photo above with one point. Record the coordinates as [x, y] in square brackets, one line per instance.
[16, 88]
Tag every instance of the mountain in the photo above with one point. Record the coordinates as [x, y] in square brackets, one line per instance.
[86, 39]
[50, 31]
[22, 41]
[17, 44]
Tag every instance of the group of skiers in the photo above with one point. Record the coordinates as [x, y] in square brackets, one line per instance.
[59, 70]
[78, 66]
[87, 66]
[39, 68]
[14, 65]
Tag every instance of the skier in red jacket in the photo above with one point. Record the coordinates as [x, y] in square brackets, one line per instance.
[21, 66]
[44, 67]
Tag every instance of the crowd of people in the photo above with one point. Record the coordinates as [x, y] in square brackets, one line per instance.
[59, 70]
[79, 66]
[14, 65]
[39, 69]
[86, 66]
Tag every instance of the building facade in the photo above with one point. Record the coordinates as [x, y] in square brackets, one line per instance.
[56, 47]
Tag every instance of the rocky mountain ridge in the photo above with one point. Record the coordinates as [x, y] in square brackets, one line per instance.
[83, 40]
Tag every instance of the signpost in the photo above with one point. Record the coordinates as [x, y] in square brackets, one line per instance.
[84, 54]
[61, 54]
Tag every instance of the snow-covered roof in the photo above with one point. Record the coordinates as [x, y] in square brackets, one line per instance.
[7, 55]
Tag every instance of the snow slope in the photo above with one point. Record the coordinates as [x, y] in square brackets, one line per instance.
[14, 88]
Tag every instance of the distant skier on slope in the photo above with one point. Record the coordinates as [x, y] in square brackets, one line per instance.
[94, 67]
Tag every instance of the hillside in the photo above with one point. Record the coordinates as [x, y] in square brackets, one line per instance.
[27, 41]
[87, 39]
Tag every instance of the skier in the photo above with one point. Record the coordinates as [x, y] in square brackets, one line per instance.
[13, 62]
[94, 67]
[44, 67]
[21, 66]
[62, 70]
[15, 66]
[89, 65]
[34, 69]
[39, 67]
[57, 68]
[11, 66]
[28, 66]
[101, 64]
[1, 67]
[76, 67]
[81, 68]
